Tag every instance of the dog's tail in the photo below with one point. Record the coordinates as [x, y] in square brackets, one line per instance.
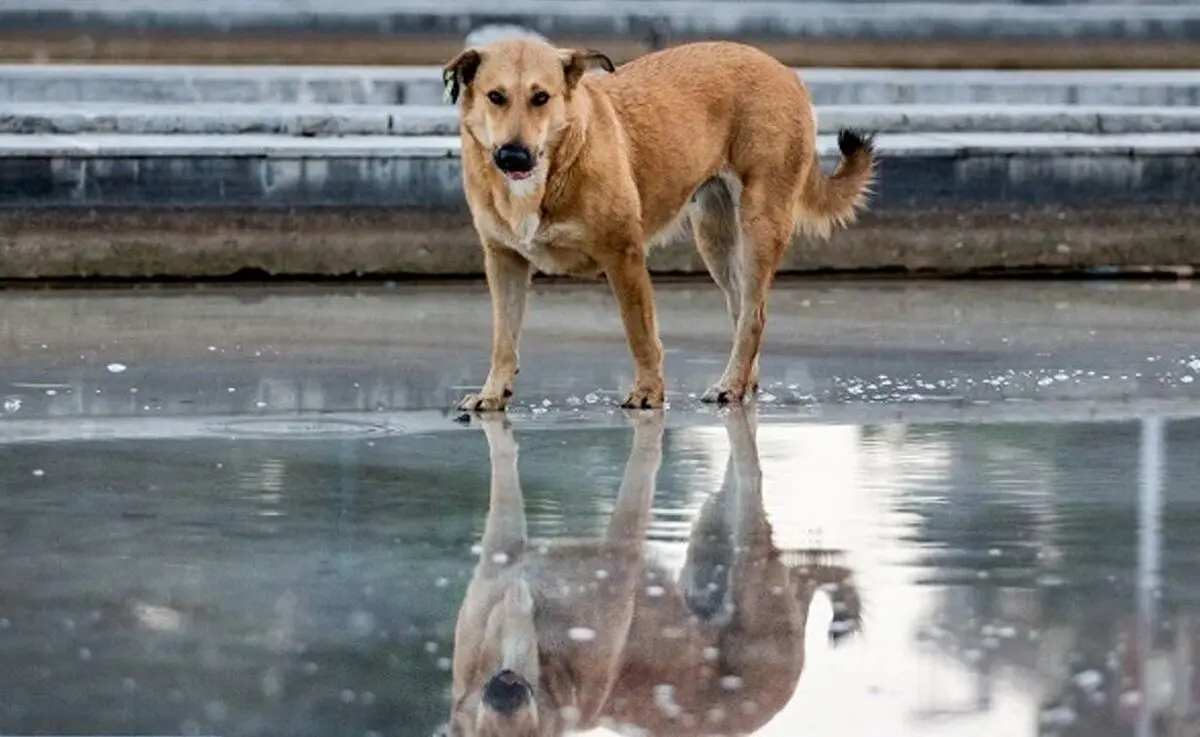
[834, 201]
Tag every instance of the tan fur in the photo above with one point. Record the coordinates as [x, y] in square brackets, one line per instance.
[719, 133]
[662, 656]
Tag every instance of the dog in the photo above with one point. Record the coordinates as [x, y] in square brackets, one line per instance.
[576, 173]
[582, 634]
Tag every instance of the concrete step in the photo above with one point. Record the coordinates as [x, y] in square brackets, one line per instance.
[620, 18]
[442, 120]
[422, 85]
[259, 170]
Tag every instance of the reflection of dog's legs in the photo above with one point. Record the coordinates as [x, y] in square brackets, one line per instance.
[635, 499]
[505, 530]
[726, 525]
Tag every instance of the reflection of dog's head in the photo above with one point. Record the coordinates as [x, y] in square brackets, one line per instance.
[517, 98]
[496, 690]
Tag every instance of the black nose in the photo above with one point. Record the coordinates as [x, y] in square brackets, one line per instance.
[511, 157]
[506, 692]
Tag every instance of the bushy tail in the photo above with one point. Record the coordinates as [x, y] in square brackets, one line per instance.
[833, 201]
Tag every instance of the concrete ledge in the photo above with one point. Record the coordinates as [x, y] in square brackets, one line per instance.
[115, 243]
[677, 18]
[917, 170]
[313, 120]
[422, 85]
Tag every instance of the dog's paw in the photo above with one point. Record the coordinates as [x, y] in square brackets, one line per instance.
[723, 394]
[649, 396]
[483, 403]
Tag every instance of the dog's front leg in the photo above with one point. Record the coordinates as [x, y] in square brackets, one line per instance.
[629, 279]
[508, 277]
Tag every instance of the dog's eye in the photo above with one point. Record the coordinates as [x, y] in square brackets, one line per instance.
[497, 98]
[540, 98]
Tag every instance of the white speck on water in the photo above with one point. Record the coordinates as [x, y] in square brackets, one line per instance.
[12, 404]
[348, 696]
[212, 348]
[129, 685]
[768, 397]
[601, 574]
[591, 398]
[1060, 376]
[499, 558]
[570, 715]
[5, 623]
[443, 664]
[51, 392]
[581, 634]
[260, 404]
[574, 401]
[731, 683]
[441, 582]
[39, 472]
[476, 549]
[655, 591]
[116, 368]
[1194, 364]
[1187, 379]
[1007, 632]
[1061, 716]
[310, 668]
[367, 698]
[973, 655]
[1131, 699]
[85, 654]
[231, 390]
[133, 390]
[431, 647]
[994, 552]
[711, 653]
[1045, 381]
[362, 622]
[1089, 680]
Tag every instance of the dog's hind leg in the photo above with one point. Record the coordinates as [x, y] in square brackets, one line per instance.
[716, 232]
[767, 225]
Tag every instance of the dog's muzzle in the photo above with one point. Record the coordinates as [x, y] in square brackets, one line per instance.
[506, 692]
[515, 161]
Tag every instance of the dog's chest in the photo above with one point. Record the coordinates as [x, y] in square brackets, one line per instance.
[553, 247]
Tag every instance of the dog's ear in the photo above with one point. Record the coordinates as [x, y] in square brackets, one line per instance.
[577, 61]
[459, 71]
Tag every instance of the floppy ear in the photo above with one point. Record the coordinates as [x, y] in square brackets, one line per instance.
[458, 73]
[578, 61]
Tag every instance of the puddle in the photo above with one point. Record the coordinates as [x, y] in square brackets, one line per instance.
[992, 579]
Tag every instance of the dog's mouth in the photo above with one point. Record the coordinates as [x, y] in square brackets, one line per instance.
[518, 176]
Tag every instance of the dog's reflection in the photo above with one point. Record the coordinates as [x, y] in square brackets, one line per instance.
[580, 634]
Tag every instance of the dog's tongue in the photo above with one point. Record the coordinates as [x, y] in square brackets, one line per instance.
[518, 175]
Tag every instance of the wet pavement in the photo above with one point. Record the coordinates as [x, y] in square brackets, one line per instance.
[955, 509]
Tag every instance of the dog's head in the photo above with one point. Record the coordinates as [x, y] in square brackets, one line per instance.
[516, 99]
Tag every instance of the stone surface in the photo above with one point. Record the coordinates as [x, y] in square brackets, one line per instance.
[316, 120]
[345, 242]
[422, 85]
[678, 18]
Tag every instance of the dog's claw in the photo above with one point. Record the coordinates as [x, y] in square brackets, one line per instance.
[483, 403]
[719, 396]
[643, 398]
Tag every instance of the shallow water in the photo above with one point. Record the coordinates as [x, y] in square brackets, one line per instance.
[274, 535]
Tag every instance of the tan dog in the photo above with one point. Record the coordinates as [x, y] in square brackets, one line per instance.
[578, 174]
[590, 633]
